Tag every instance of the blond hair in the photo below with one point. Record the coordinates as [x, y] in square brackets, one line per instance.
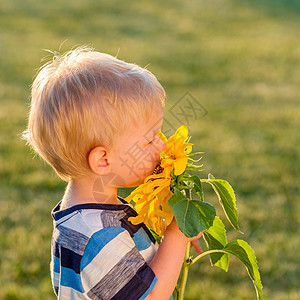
[83, 99]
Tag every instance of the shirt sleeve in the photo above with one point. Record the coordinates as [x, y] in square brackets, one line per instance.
[113, 268]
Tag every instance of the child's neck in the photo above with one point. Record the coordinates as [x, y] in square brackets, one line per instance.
[88, 191]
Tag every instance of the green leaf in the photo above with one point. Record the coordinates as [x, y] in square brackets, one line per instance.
[226, 197]
[192, 216]
[215, 238]
[244, 252]
[198, 186]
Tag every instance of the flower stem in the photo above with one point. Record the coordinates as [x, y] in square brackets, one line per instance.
[203, 254]
[185, 270]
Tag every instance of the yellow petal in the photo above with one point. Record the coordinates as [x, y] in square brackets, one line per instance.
[141, 203]
[162, 227]
[188, 148]
[151, 177]
[182, 131]
[163, 194]
[178, 145]
[169, 219]
[167, 162]
[152, 186]
[183, 150]
[135, 220]
[162, 187]
[169, 149]
[165, 204]
[152, 209]
[129, 198]
[180, 165]
[162, 137]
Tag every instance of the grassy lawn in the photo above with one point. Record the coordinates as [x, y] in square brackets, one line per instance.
[239, 59]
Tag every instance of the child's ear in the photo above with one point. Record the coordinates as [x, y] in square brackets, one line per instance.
[98, 161]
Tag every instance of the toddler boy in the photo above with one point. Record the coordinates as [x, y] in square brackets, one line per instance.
[95, 119]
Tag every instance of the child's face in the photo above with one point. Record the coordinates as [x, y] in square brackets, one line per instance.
[136, 154]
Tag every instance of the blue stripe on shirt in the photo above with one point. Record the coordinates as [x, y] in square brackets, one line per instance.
[76, 235]
[141, 240]
[97, 241]
[70, 279]
[56, 267]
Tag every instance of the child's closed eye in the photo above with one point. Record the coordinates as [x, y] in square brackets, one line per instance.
[152, 141]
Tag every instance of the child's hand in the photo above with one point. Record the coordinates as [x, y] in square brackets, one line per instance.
[168, 259]
[196, 244]
[194, 240]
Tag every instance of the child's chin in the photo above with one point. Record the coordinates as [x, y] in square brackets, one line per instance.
[138, 181]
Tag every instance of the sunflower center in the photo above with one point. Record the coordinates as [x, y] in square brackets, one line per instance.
[158, 169]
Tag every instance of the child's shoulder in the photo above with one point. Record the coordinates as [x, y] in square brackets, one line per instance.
[80, 225]
[90, 217]
[98, 242]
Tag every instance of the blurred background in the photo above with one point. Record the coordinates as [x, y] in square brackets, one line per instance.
[238, 60]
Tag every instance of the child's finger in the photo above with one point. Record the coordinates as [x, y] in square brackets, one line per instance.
[197, 246]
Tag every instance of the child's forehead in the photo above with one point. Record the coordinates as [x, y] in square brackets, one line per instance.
[146, 128]
[153, 123]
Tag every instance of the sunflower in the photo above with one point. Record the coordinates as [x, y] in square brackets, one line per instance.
[150, 199]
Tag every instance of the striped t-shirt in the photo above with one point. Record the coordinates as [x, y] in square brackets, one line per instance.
[98, 254]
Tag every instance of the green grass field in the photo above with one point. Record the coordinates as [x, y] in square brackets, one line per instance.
[239, 59]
